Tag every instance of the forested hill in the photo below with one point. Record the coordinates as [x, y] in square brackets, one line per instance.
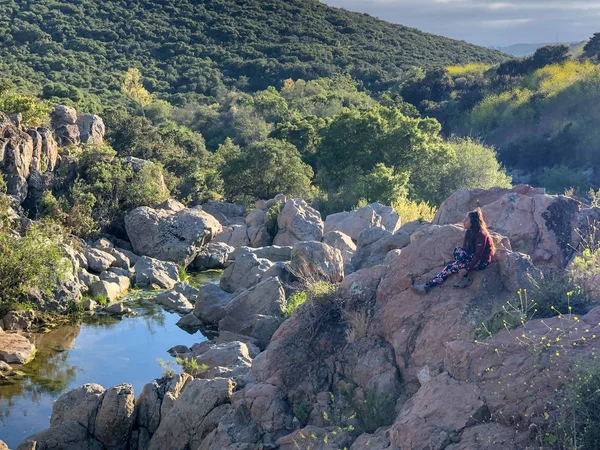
[197, 46]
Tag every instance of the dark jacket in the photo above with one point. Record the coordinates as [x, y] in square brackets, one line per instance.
[480, 245]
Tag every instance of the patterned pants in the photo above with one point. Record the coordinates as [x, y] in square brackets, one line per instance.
[462, 258]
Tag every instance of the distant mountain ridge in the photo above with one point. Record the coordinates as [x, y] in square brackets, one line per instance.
[522, 50]
[185, 47]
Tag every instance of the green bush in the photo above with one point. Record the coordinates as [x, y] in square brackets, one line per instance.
[578, 425]
[271, 222]
[475, 166]
[263, 170]
[314, 292]
[557, 294]
[32, 260]
[35, 112]
[191, 366]
[373, 411]
[182, 273]
[584, 268]
[410, 210]
[558, 179]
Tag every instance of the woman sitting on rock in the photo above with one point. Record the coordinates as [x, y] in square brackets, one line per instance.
[475, 254]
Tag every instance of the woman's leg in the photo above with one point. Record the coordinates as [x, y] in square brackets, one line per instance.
[462, 257]
[445, 273]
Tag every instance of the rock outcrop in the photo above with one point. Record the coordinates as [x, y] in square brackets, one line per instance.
[168, 235]
[88, 418]
[395, 369]
[15, 349]
[353, 223]
[315, 261]
[374, 244]
[247, 271]
[212, 256]
[540, 225]
[152, 272]
[91, 128]
[16, 156]
[298, 222]
[256, 312]
[64, 124]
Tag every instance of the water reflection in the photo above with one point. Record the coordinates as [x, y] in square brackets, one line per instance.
[102, 349]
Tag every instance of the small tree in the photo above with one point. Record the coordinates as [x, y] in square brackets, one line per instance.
[550, 54]
[592, 48]
[133, 89]
[264, 169]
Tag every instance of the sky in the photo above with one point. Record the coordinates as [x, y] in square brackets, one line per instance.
[489, 22]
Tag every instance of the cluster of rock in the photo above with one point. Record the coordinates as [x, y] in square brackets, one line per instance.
[29, 156]
[272, 382]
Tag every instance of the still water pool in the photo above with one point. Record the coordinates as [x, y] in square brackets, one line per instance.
[102, 350]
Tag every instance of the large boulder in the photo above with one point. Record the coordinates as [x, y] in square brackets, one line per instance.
[64, 124]
[16, 156]
[107, 289]
[273, 253]
[256, 312]
[155, 401]
[212, 256]
[98, 260]
[115, 417]
[211, 304]
[88, 418]
[374, 244]
[15, 349]
[19, 320]
[342, 242]
[316, 261]
[353, 223]
[185, 425]
[79, 405]
[247, 271]
[542, 226]
[175, 301]
[91, 128]
[231, 213]
[298, 222]
[168, 235]
[456, 207]
[66, 436]
[437, 414]
[234, 236]
[152, 272]
[222, 360]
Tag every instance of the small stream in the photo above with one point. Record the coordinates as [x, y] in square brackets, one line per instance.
[103, 349]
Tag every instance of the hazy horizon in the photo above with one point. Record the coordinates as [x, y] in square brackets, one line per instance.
[497, 23]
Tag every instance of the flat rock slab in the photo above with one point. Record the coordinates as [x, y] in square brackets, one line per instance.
[15, 349]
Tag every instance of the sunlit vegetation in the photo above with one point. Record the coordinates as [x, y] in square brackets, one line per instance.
[195, 49]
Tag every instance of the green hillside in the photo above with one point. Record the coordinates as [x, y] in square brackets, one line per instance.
[185, 47]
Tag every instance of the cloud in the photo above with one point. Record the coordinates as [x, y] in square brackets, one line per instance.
[505, 23]
[489, 22]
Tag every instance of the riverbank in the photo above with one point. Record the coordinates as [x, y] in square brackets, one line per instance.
[102, 349]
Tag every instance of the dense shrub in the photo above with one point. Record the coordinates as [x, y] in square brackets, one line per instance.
[557, 294]
[32, 260]
[263, 170]
[410, 210]
[557, 180]
[578, 424]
